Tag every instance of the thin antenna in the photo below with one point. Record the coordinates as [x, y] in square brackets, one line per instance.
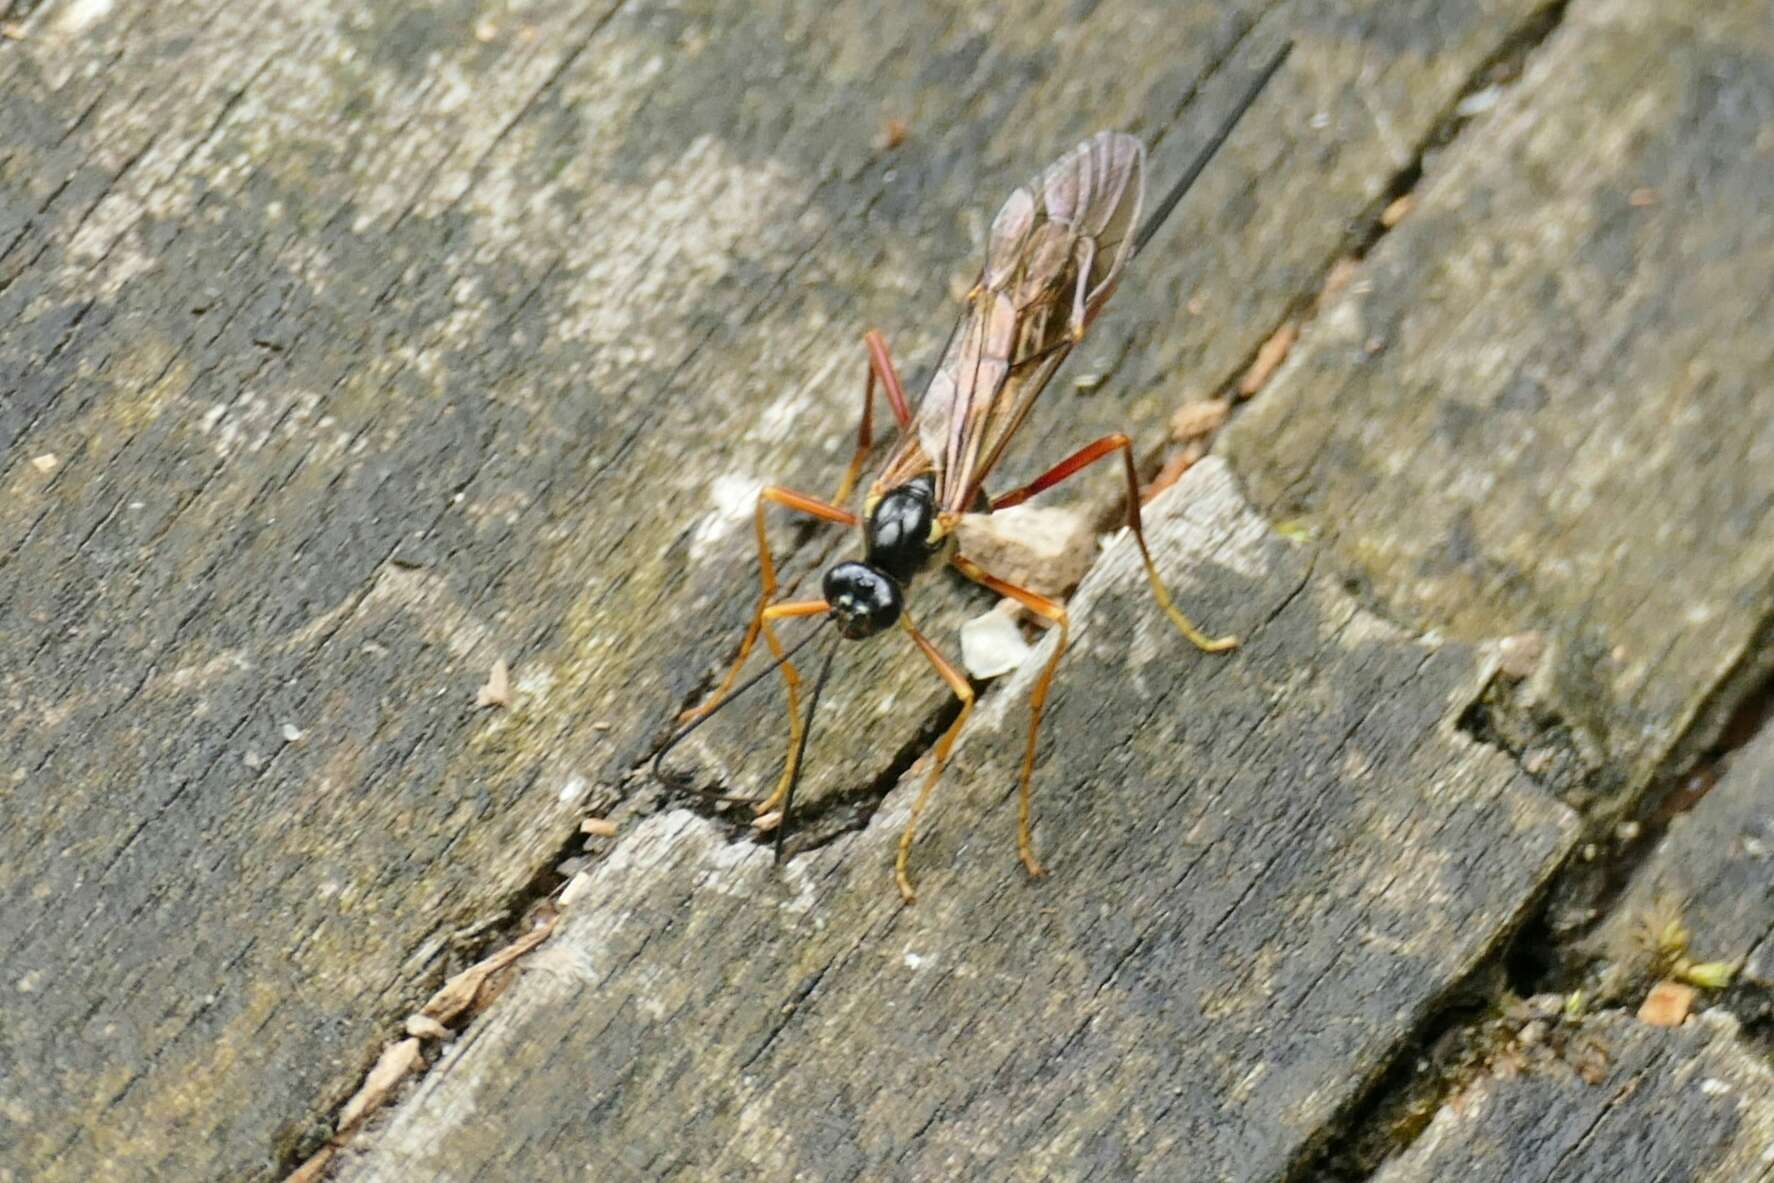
[681, 736]
[788, 798]
[1206, 154]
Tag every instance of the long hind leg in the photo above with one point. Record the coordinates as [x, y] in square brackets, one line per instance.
[963, 691]
[1055, 612]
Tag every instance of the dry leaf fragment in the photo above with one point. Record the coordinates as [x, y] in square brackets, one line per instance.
[460, 992]
[598, 827]
[1667, 1004]
[399, 1060]
[1272, 353]
[497, 691]
[1395, 213]
[1199, 418]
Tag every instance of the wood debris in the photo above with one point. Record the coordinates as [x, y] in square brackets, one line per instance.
[426, 1027]
[497, 691]
[1519, 656]
[1272, 353]
[1396, 212]
[1179, 462]
[598, 827]
[1045, 549]
[1196, 419]
[1667, 1004]
[398, 1061]
[991, 644]
[458, 995]
[893, 134]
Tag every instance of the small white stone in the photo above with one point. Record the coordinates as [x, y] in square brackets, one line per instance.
[991, 644]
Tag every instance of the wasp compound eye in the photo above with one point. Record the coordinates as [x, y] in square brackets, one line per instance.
[863, 600]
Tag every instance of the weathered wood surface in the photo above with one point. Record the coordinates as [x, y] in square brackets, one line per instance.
[1544, 405]
[348, 348]
[1641, 1105]
[345, 349]
[1265, 870]
[1713, 875]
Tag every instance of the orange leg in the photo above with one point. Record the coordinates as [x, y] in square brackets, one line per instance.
[1083, 458]
[963, 691]
[880, 369]
[1055, 612]
[765, 613]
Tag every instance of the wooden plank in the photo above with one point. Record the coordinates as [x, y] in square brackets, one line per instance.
[1266, 868]
[349, 348]
[1684, 1105]
[1542, 404]
[1712, 876]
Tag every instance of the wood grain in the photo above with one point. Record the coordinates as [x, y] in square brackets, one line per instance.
[1690, 1105]
[1542, 404]
[1266, 869]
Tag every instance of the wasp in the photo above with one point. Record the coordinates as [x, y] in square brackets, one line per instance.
[1054, 254]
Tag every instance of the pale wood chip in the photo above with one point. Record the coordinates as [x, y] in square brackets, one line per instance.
[497, 691]
[459, 993]
[399, 1061]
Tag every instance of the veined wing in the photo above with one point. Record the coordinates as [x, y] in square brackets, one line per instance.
[1055, 252]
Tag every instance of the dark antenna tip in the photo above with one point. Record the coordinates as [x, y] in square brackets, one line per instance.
[788, 798]
[1208, 150]
[685, 732]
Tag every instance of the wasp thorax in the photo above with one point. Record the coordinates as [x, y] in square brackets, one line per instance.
[864, 600]
[899, 540]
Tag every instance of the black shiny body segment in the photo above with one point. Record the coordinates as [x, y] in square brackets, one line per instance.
[863, 600]
[898, 540]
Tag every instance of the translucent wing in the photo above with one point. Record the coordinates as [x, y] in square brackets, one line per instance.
[1055, 252]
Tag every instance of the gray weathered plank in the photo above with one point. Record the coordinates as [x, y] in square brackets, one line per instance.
[1543, 405]
[1266, 868]
[1713, 873]
[1683, 1105]
[346, 348]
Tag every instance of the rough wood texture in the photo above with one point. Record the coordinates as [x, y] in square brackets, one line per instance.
[1714, 873]
[1265, 870]
[347, 348]
[1688, 1105]
[1544, 403]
